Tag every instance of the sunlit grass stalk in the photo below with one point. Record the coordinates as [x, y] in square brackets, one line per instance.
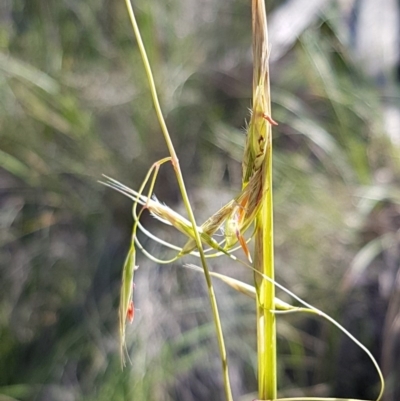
[264, 244]
[266, 322]
[185, 198]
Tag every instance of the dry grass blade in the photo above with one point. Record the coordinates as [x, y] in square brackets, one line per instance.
[236, 216]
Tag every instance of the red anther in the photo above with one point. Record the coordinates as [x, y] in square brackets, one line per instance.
[269, 119]
[244, 246]
[130, 313]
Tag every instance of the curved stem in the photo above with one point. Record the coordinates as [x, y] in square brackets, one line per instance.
[178, 173]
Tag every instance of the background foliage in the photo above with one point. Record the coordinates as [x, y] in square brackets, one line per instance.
[75, 104]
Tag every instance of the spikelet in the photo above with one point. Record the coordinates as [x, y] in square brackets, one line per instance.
[126, 299]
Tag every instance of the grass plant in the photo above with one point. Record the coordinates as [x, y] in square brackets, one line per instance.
[252, 207]
[75, 102]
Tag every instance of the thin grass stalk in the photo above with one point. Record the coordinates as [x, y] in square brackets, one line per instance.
[266, 322]
[185, 198]
[264, 244]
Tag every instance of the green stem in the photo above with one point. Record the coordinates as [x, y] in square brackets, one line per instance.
[266, 323]
[185, 198]
[264, 240]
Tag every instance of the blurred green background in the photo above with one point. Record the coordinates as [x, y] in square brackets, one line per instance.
[74, 104]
